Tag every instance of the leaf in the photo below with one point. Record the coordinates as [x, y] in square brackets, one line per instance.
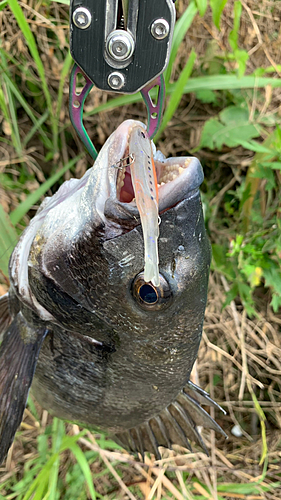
[42, 477]
[58, 432]
[273, 279]
[80, 457]
[8, 240]
[208, 135]
[35, 127]
[244, 290]
[231, 295]
[29, 111]
[30, 40]
[3, 4]
[252, 181]
[268, 174]
[212, 82]
[232, 128]
[181, 28]
[234, 114]
[177, 95]
[14, 120]
[217, 7]
[241, 57]
[233, 35]
[275, 302]
[244, 488]
[258, 148]
[206, 96]
[275, 165]
[221, 262]
[202, 6]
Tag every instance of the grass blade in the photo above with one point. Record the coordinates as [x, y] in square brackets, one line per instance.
[213, 82]
[202, 6]
[8, 239]
[3, 4]
[217, 7]
[58, 433]
[181, 27]
[81, 459]
[5, 111]
[36, 126]
[252, 182]
[30, 40]
[8, 107]
[177, 94]
[17, 214]
[29, 112]
[64, 73]
[41, 478]
[14, 119]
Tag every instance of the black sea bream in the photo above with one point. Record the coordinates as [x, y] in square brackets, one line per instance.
[101, 346]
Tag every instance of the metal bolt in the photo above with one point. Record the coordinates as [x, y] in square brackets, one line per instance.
[160, 29]
[116, 80]
[82, 18]
[120, 45]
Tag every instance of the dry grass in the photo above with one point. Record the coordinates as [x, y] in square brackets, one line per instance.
[239, 358]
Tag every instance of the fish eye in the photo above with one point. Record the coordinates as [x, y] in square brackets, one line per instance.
[151, 297]
[148, 294]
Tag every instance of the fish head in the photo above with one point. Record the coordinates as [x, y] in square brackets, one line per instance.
[84, 249]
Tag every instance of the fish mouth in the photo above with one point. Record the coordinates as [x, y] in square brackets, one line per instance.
[177, 178]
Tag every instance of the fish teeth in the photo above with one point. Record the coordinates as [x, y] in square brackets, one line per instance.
[171, 172]
[120, 181]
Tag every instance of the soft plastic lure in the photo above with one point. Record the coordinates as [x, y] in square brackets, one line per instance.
[144, 182]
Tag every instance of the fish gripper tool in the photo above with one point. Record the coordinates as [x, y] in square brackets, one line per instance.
[120, 46]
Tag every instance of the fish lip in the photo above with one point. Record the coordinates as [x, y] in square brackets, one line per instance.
[183, 187]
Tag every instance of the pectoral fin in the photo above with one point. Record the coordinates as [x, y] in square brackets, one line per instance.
[176, 424]
[18, 357]
[5, 317]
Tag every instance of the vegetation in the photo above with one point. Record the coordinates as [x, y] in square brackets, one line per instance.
[223, 105]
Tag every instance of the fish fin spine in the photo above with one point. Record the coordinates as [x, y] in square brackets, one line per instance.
[178, 423]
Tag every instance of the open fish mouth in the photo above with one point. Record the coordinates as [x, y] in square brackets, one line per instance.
[177, 178]
[148, 184]
[104, 194]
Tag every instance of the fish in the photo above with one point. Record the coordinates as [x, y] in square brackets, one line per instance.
[98, 342]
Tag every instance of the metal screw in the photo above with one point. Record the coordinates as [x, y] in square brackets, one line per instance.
[120, 45]
[82, 18]
[116, 80]
[160, 29]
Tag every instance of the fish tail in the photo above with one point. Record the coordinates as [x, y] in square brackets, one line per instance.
[5, 317]
[18, 357]
[178, 423]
